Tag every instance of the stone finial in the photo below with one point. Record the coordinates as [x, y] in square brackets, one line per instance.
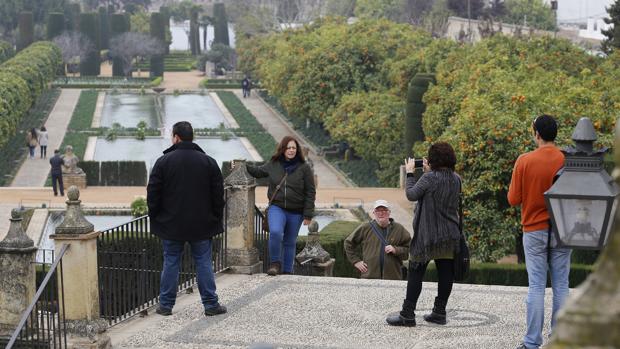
[239, 176]
[313, 249]
[16, 238]
[74, 222]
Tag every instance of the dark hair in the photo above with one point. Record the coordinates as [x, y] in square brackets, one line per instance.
[441, 155]
[281, 148]
[546, 127]
[184, 130]
[33, 132]
[56, 151]
[43, 128]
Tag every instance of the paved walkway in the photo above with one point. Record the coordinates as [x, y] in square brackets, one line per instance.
[33, 172]
[328, 176]
[311, 312]
[172, 80]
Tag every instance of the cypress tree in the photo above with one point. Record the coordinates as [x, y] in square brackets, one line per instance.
[165, 11]
[26, 30]
[118, 25]
[220, 27]
[104, 28]
[415, 109]
[158, 30]
[72, 16]
[55, 25]
[613, 33]
[194, 33]
[89, 27]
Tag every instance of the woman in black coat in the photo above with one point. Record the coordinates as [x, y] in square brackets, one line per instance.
[436, 231]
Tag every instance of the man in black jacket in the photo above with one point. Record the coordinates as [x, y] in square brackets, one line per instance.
[185, 196]
[56, 163]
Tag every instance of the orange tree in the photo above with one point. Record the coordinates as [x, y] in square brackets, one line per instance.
[483, 104]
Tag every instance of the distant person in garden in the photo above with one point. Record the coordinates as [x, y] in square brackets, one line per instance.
[533, 174]
[32, 141]
[384, 245]
[245, 86]
[43, 140]
[436, 231]
[291, 193]
[185, 197]
[56, 163]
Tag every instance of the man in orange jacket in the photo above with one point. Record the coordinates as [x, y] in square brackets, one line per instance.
[532, 176]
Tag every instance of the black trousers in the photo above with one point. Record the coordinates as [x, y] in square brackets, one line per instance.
[445, 273]
[58, 178]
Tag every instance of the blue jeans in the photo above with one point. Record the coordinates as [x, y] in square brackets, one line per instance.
[283, 229]
[201, 251]
[535, 246]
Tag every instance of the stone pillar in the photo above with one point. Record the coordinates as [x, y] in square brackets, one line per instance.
[81, 289]
[321, 264]
[241, 253]
[17, 274]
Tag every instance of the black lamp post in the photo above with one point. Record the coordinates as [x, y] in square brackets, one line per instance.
[583, 201]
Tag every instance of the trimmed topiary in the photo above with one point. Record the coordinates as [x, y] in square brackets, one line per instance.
[26, 30]
[220, 28]
[158, 31]
[89, 26]
[72, 16]
[415, 110]
[119, 24]
[55, 24]
[104, 28]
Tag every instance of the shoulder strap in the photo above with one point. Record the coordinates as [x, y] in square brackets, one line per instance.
[277, 188]
[379, 235]
[460, 204]
[382, 250]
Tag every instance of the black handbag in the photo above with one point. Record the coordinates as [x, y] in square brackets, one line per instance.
[461, 258]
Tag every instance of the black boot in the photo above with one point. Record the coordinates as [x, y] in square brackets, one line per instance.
[406, 317]
[438, 316]
[274, 269]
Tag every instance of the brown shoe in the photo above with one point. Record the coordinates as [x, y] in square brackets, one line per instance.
[274, 269]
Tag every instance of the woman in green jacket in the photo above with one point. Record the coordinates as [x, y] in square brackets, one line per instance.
[292, 193]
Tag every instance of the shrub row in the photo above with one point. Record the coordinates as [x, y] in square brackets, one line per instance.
[115, 173]
[14, 150]
[99, 82]
[22, 79]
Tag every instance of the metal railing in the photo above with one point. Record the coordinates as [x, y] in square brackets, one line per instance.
[42, 324]
[130, 262]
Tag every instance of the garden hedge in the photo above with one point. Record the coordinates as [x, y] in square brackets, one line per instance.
[55, 24]
[6, 51]
[89, 27]
[104, 28]
[220, 27]
[22, 79]
[115, 173]
[158, 31]
[26, 30]
[119, 24]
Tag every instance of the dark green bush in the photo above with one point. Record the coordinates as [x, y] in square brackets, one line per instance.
[115, 173]
[104, 28]
[132, 173]
[119, 24]
[6, 51]
[55, 25]
[26, 30]
[158, 31]
[109, 173]
[220, 27]
[89, 27]
[91, 169]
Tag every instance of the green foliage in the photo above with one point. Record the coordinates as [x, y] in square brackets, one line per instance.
[538, 13]
[220, 55]
[483, 104]
[91, 169]
[6, 51]
[13, 148]
[390, 9]
[140, 22]
[72, 15]
[90, 82]
[26, 30]
[509, 274]
[248, 126]
[104, 28]
[613, 34]
[332, 239]
[55, 25]
[220, 27]
[158, 31]
[415, 109]
[139, 207]
[173, 62]
[89, 27]
[361, 172]
[22, 79]
[194, 33]
[119, 24]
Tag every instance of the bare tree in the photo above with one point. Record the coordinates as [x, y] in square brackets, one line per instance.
[130, 46]
[74, 47]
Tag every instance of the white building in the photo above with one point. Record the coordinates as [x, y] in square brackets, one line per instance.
[594, 29]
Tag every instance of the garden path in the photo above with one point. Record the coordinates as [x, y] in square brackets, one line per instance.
[34, 172]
